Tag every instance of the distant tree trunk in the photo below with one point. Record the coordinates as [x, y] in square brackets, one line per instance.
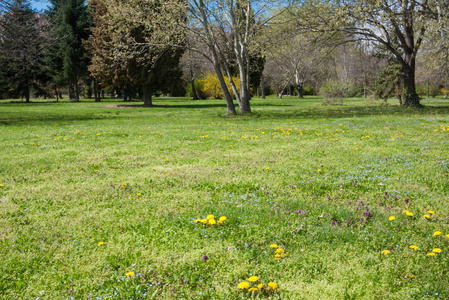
[96, 92]
[89, 92]
[27, 95]
[56, 93]
[192, 82]
[147, 97]
[427, 89]
[76, 93]
[262, 86]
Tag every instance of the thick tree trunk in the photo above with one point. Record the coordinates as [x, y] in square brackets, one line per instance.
[411, 98]
[147, 97]
[244, 93]
[56, 93]
[300, 89]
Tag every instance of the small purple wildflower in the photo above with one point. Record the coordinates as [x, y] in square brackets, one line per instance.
[406, 200]
[205, 257]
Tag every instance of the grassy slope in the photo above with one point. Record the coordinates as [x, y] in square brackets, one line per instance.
[80, 186]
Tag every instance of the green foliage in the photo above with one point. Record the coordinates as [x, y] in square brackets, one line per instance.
[334, 91]
[21, 54]
[387, 81]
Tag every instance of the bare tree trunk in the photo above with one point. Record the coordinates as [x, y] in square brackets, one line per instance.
[96, 92]
[192, 82]
[56, 93]
[147, 97]
[262, 86]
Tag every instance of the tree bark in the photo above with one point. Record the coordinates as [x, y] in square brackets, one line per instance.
[300, 89]
[147, 97]
[192, 82]
[411, 98]
[262, 86]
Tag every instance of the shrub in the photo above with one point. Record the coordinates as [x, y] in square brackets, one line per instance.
[210, 86]
[334, 91]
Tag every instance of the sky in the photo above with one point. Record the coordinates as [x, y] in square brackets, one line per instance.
[39, 5]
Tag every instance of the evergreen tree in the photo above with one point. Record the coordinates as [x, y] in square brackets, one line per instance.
[21, 54]
[67, 53]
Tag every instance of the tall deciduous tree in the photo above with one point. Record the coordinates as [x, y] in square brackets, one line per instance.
[399, 25]
[132, 43]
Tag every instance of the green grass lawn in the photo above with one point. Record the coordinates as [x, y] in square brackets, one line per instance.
[99, 202]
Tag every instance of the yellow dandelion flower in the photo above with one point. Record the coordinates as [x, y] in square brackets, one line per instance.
[277, 256]
[138, 194]
[267, 168]
[437, 233]
[1, 185]
[253, 290]
[260, 286]
[414, 247]
[431, 212]
[274, 246]
[222, 218]
[411, 276]
[243, 285]
[319, 170]
[426, 216]
[204, 221]
[436, 250]
[385, 252]
[392, 218]
[409, 214]
[220, 222]
[212, 222]
[356, 148]
[130, 274]
[447, 235]
[100, 243]
[253, 278]
[431, 254]
[272, 285]
[197, 220]
[98, 134]
[210, 217]
[279, 250]
[283, 254]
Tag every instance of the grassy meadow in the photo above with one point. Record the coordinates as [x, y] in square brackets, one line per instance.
[100, 202]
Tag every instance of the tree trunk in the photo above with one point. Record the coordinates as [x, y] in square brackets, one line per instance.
[427, 89]
[300, 89]
[27, 95]
[244, 92]
[96, 93]
[56, 93]
[192, 82]
[76, 93]
[262, 86]
[147, 97]
[411, 98]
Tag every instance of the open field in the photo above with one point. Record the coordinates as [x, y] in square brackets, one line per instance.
[99, 202]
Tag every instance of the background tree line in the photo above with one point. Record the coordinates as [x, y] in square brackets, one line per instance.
[231, 49]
